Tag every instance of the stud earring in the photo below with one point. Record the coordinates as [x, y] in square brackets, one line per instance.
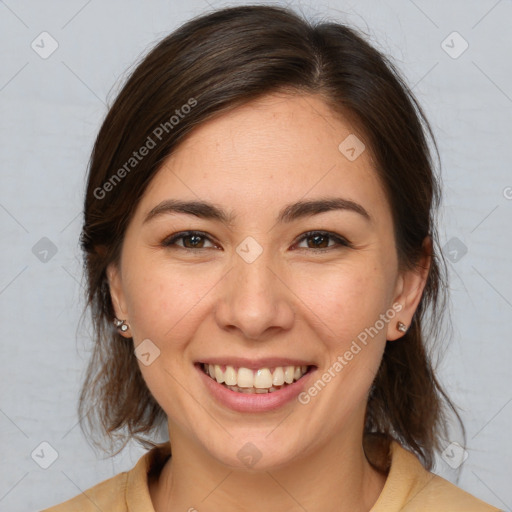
[401, 327]
[121, 324]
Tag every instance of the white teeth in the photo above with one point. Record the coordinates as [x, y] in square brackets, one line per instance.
[263, 380]
[289, 373]
[245, 378]
[278, 377]
[219, 376]
[230, 376]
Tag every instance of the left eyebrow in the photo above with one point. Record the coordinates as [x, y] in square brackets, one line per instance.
[302, 209]
[289, 213]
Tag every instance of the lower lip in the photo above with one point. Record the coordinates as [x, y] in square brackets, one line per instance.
[254, 402]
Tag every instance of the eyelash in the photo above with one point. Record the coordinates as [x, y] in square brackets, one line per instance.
[340, 241]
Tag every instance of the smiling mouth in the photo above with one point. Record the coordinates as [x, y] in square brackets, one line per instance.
[262, 380]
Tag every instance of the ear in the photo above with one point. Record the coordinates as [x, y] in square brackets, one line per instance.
[117, 295]
[409, 290]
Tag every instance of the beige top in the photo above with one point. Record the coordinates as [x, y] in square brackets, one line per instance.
[409, 487]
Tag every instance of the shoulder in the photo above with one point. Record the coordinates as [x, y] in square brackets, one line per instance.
[441, 493]
[411, 488]
[127, 491]
[107, 495]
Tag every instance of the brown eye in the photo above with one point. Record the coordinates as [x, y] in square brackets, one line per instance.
[190, 240]
[320, 240]
[195, 241]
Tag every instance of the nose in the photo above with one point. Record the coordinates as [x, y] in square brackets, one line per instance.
[255, 299]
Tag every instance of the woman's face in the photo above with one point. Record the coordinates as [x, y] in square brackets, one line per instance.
[254, 293]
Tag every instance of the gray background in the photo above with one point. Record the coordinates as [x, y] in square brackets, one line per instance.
[51, 110]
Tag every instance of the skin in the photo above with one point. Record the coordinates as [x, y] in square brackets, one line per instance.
[292, 301]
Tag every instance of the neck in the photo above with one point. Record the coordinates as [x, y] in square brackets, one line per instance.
[336, 476]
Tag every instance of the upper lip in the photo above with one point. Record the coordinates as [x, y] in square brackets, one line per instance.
[254, 364]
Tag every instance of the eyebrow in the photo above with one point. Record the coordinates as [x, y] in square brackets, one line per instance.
[289, 213]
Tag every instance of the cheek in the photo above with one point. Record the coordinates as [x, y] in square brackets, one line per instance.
[167, 306]
[163, 300]
[346, 298]
[345, 305]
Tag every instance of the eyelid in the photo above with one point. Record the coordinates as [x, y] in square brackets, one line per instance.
[170, 240]
[340, 240]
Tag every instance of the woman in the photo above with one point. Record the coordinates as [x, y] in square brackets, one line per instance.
[261, 254]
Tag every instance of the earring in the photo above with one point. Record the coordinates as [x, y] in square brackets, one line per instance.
[401, 327]
[120, 324]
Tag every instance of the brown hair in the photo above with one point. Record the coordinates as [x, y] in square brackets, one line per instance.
[215, 63]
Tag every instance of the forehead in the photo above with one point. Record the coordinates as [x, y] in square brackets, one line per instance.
[266, 153]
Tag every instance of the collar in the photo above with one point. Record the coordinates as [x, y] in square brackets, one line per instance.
[406, 478]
